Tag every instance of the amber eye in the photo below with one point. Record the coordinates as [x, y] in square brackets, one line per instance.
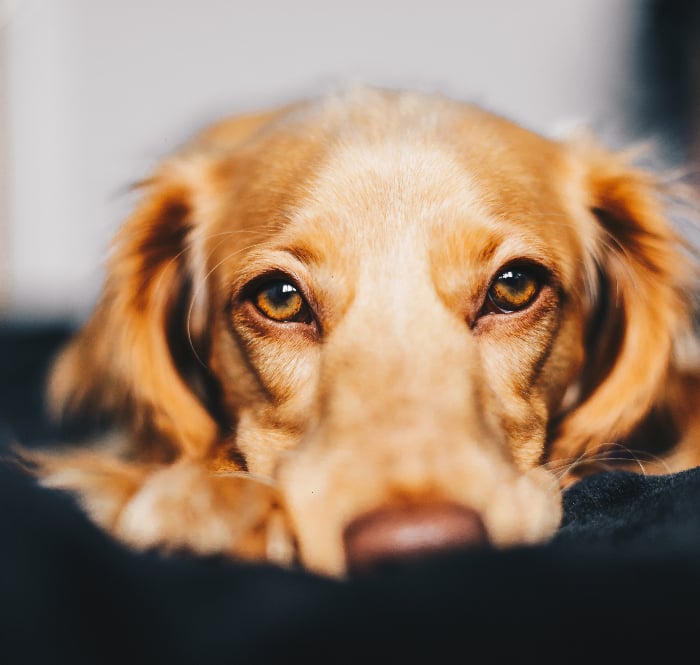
[282, 302]
[513, 290]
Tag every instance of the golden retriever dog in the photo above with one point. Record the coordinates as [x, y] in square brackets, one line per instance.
[374, 326]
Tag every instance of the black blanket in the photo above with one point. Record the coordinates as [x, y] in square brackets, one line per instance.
[621, 581]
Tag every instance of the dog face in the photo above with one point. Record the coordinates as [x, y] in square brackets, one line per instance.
[383, 301]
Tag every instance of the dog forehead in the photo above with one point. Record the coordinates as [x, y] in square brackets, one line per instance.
[399, 178]
[387, 185]
[391, 193]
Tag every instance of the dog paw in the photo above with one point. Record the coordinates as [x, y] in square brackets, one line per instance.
[187, 507]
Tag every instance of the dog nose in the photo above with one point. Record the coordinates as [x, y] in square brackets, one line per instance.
[400, 533]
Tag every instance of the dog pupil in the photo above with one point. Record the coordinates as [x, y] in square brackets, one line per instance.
[280, 294]
[515, 281]
[283, 300]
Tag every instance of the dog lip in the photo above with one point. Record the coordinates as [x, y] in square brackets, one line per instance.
[403, 533]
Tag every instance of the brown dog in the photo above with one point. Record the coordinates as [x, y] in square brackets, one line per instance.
[376, 325]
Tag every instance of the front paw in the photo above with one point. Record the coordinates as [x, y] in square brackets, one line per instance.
[187, 507]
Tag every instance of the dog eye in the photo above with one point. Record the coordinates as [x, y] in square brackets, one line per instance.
[513, 290]
[282, 302]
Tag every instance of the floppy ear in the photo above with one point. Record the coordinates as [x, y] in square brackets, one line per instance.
[131, 356]
[644, 299]
[141, 355]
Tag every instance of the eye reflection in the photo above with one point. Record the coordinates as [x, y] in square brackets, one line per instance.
[281, 301]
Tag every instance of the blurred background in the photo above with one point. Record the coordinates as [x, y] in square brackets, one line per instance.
[94, 92]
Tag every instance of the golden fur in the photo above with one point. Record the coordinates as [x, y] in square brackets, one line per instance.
[392, 213]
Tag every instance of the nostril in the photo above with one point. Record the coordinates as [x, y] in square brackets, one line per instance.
[408, 532]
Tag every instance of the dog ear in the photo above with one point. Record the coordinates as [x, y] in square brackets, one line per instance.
[141, 355]
[129, 358]
[643, 297]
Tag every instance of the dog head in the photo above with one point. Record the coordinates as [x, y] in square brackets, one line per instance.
[386, 301]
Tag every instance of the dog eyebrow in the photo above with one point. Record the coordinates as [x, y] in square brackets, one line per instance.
[290, 259]
[305, 255]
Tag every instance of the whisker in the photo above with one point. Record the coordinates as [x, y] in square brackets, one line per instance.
[198, 288]
[638, 453]
[188, 323]
[562, 467]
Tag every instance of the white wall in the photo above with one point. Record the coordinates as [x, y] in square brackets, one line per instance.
[5, 276]
[98, 90]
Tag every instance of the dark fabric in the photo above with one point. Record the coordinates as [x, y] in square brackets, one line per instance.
[621, 581]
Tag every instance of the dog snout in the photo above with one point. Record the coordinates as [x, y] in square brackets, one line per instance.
[399, 533]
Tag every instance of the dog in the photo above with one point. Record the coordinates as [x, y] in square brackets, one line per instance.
[375, 326]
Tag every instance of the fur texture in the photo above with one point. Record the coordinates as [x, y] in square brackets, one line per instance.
[393, 216]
